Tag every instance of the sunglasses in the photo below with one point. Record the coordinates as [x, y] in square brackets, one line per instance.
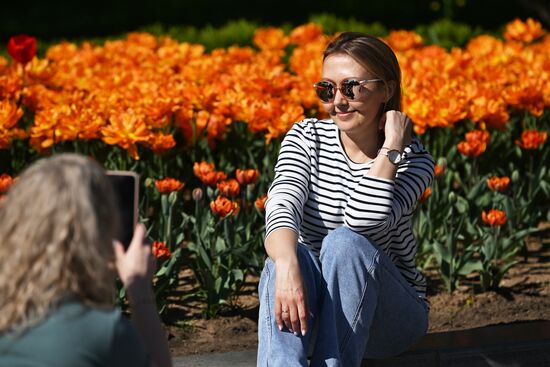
[350, 88]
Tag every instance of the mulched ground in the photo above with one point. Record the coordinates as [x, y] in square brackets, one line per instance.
[525, 296]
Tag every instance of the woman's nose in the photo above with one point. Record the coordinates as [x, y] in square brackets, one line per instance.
[339, 98]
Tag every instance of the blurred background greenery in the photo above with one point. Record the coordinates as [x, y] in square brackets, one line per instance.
[58, 19]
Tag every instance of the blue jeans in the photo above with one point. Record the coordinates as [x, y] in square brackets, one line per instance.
[360, 303]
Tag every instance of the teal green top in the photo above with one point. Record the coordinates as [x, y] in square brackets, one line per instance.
[75, 335]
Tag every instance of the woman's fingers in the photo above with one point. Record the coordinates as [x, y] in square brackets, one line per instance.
[303, 316]
[291, 311]
[290, 305]
[278, 314]
[285, 315]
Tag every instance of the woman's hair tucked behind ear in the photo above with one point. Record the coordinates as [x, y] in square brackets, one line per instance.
[57, 224]
[375, 55]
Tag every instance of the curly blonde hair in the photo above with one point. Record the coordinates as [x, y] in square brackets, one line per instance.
[57, 224]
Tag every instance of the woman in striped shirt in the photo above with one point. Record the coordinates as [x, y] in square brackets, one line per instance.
[340, 282]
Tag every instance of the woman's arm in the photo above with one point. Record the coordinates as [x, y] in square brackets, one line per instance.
[290, 293]
[284, 211]
[135, 268]
[387, 192]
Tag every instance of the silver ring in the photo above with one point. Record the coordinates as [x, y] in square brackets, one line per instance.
[284, 311]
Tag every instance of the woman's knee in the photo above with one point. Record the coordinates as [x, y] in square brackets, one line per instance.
[345, 244]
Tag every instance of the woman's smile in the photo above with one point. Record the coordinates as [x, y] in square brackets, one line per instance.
[344, 115]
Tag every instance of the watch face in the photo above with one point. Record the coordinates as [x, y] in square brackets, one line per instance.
[394, 156]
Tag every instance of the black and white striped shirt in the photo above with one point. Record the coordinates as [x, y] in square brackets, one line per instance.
[317, 188]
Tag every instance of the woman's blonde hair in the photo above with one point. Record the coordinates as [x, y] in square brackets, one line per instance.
[376, 56]
[57, 224]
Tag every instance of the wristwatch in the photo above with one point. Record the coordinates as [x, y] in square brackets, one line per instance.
[394, 155]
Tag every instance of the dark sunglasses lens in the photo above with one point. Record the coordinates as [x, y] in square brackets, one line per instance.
[347, 88]
[325, 91]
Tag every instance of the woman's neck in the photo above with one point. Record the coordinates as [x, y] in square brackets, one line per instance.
[361, 148]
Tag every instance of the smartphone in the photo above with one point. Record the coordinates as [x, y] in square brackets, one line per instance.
[126, 188]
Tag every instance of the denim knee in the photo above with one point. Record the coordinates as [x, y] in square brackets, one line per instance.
[343, 245]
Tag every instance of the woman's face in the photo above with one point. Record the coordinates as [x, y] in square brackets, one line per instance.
[359, 114]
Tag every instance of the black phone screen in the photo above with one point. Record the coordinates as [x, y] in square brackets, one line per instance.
[126, 188]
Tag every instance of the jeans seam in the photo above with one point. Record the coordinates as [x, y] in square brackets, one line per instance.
[345, 340]
[268, 304]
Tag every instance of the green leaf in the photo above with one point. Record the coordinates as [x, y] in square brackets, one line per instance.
[180, 237]
[461, 205]
[442, 253]
[161, 271]
[218, 285]
[470, 267]
[238, 275]
[220, 245]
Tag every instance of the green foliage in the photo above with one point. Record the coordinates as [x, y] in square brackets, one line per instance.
[332, 24]
[224, 249]
[447, 33]
[237, 32]
[448, 224]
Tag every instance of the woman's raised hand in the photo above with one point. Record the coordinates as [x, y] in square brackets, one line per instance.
[397, 128]
[136, 265]
[290, 297]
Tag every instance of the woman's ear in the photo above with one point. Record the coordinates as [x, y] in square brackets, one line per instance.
[390, 90]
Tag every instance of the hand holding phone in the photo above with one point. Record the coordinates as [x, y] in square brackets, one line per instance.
[126, 188]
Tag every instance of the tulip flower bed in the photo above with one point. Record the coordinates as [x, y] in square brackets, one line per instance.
[203, 131]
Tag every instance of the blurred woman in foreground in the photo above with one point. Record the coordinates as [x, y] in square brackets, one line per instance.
[58, 262]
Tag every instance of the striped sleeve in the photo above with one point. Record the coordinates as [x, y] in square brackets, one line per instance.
[289, 190]
[378, 204]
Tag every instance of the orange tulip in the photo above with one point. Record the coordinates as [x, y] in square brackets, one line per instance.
[168, 185]
[161, 250]
[229, 188]
[404, 40]
[532, 139]
[523, 31]
[223, 207]
[494, 217]
[471, 149]
[247, 176]
[475, 143]
[498, 183]
[260, 202]
[125, 130]
[160, 143]
[438, 170]
[202, 168]
[212, 178]
[206, 173]
[306, 34]
[5, 182]
[10, 114]
[425, 195]
[270, 38]
[477, 135]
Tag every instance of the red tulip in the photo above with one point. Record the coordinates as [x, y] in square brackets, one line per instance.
[494, 217]
[5, 182]
[168, 185]
[260, 202]
[160, 250]
[22, 48]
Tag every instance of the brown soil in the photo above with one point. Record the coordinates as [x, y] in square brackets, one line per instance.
[525, 296]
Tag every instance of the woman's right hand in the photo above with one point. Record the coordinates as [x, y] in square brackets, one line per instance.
[135, 265]
[291, 308]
